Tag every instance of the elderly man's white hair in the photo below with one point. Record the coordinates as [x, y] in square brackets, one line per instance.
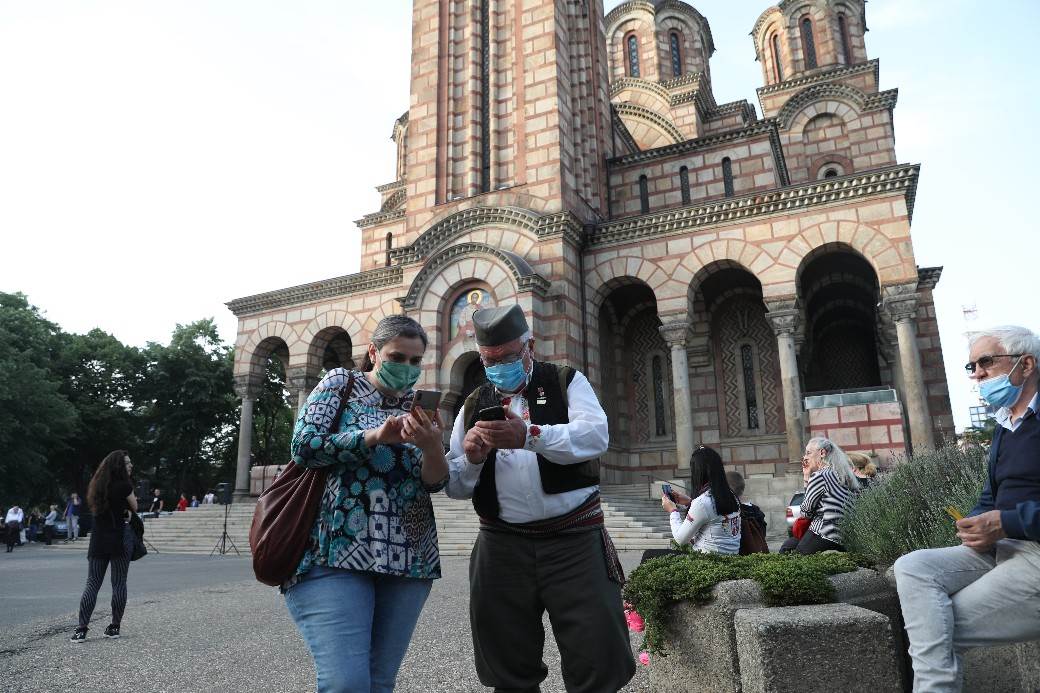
[1013, 339]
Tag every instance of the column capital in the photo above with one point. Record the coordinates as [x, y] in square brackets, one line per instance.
[900, 301]
[675, 333]
[300, 378]
[247, 386]
[785, 317]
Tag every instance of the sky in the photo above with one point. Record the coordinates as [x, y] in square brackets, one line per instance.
[158, 159]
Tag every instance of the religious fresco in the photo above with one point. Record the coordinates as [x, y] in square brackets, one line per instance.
[462, 311]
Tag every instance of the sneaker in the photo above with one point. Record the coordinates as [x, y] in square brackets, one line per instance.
[112, 631]
[79, 636]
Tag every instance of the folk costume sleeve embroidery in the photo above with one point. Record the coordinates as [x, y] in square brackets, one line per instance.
[376, 514]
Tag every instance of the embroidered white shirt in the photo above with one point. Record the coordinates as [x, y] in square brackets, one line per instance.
[519, 485]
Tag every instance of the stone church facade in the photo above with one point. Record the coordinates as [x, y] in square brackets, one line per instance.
[724, 278]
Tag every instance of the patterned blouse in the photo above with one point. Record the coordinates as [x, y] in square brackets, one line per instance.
[376, 514]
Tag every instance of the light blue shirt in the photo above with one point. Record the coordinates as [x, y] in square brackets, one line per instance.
[1003, 415]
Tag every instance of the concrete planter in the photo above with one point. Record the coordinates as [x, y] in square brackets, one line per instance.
[737, 643]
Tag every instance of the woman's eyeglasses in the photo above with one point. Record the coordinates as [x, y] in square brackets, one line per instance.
[986, 362]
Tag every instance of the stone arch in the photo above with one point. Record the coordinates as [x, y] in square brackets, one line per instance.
[523, 276]
[395, 201]
[844, 100]
[262, 343]
[614, 272]
[654, 121]
[314, 337]
[456, 224]
[865, 240]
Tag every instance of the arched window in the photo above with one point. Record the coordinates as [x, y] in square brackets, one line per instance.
[843, 36]
[644, 195]
[657, 384]
[727, 176]
[830, 173]
[684, 184]
[676, 44]
[747, 367]
[808, 44]
[389, 247]
[632, 47]
[778, 69]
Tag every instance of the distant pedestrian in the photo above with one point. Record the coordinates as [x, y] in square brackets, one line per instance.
[13, 521]
[157, 503]
[49, 524]
[194, 502]
[863, 467]
[182, 504]
[72, 510]
[208, 498]
[111, 498]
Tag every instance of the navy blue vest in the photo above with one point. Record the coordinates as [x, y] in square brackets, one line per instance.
[1016, 475]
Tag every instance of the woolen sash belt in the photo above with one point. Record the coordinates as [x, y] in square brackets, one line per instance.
[586, 517]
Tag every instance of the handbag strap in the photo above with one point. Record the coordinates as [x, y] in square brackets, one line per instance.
[344, 396]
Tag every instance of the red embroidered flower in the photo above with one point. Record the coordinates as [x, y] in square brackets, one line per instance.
[506, 401]
[535, 431]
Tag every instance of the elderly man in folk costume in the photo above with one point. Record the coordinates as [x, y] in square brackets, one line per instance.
[525, 448]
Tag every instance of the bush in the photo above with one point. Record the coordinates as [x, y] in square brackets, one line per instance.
[905, 509]
[786, 580]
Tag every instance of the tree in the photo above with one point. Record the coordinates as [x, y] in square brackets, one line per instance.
[36, 419]
[189, 406]
[272, 417]
[102, 378]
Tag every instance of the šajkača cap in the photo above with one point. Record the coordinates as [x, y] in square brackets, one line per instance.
[496, 326]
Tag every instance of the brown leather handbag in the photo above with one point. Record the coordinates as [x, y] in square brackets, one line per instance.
[285, 514]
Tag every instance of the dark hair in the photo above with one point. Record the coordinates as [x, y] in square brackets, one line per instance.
[391, 327]
[706, 468]
[736, 482]
[112, 468]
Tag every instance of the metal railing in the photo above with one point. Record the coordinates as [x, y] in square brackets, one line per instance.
[650, 479]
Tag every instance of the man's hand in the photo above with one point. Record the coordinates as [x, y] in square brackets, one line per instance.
[510, 434]
[982, 531]
[475, 447]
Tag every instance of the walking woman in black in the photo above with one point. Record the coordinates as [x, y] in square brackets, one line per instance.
[111, 498]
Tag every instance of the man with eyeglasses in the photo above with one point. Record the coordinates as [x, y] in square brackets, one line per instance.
[986, 591]
[525, 448]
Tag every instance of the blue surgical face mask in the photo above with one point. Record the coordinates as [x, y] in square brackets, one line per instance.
[507, 377]
[998, 391]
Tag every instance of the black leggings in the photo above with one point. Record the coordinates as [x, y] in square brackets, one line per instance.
[810, 543]
[96, 576]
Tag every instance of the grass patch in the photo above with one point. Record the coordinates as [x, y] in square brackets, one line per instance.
[786, 580]
[905, 509]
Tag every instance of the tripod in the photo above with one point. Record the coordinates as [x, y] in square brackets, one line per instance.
[225, 538]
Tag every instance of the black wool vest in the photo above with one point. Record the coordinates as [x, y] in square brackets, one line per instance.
[549, 380]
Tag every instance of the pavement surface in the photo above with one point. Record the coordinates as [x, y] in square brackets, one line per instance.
[195, 623]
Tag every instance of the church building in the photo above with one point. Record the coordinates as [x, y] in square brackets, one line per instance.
[736, 275]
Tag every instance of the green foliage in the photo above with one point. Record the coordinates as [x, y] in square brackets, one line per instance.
[905, 509]
[786, 580]
[35, 417]
[273, 417]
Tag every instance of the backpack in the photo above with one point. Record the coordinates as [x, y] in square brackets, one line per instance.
[752, 530]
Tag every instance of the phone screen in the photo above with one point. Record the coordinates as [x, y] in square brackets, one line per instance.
[491, 414]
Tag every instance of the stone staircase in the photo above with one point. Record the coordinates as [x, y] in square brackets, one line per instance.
[635, 523]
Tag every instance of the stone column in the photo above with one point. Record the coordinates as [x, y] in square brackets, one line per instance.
[247, 390]
[674, 334]
[785, 319]
[299, 381]
[901, 304]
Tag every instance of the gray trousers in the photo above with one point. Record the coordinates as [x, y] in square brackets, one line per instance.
[957, 598]
[514, 580]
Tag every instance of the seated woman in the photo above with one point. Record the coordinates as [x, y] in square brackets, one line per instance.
[829, 487]
[863, 467]
[711, 524]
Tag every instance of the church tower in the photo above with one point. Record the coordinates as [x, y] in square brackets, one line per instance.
[509, 107]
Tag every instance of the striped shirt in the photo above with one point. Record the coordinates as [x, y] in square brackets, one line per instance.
[824, 502]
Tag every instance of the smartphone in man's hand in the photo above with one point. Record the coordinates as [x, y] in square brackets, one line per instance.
[496, 413]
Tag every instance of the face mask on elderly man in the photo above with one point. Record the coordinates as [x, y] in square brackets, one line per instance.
[998, 391]
[507, 377]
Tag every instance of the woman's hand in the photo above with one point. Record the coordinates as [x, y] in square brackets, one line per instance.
[390, 433]
[667, 504]
[681, 498]
[422, 430]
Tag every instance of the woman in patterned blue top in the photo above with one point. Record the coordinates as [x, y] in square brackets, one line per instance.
[372, 556]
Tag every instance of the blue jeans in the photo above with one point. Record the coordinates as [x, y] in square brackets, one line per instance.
[357, 625]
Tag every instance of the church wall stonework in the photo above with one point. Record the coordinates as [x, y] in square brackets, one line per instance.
[547, 213]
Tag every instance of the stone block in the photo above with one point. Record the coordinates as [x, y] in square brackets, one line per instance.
[823, 417]
[843, 436]
[779, 649]
[885, 410]
[853, 413]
